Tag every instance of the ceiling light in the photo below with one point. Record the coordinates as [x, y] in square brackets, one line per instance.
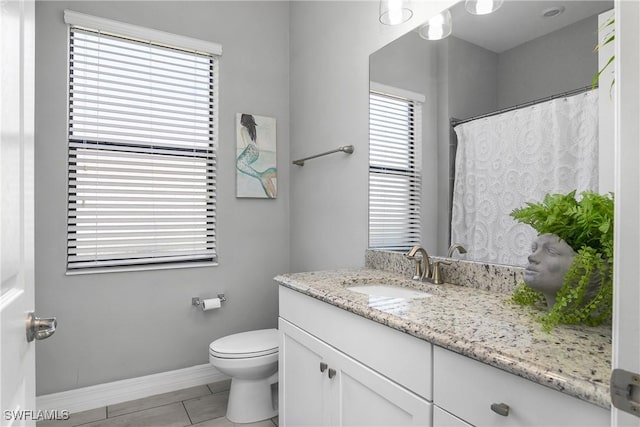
[437, 27]
[482, 7]
[394, 12]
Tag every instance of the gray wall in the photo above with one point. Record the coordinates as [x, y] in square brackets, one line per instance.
[122, 325]
[555, 63]
[473, 79]
[329, 108]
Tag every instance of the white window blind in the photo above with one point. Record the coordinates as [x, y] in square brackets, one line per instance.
[142, 153]
[394, 171]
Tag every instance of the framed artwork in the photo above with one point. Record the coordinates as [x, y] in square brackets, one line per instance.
[256, 169]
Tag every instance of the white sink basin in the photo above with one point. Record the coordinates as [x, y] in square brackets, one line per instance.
[386, 291]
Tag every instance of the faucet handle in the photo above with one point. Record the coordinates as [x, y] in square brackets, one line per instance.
[417, 275]
[436, 275]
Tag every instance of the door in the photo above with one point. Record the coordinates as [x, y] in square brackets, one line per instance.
[626, 323]
[17, 356]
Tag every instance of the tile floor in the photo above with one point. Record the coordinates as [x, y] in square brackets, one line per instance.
[202, 406]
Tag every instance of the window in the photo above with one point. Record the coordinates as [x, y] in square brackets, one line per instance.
[142, 149]
[394, 169]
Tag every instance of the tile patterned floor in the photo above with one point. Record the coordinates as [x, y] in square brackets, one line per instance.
[202, 406]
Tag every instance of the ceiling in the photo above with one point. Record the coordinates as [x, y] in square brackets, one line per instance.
[519, 21]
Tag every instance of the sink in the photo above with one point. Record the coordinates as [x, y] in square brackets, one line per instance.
[386, 291]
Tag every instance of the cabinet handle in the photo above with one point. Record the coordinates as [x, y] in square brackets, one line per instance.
[323, 367]
[500, 409]
[332, 373]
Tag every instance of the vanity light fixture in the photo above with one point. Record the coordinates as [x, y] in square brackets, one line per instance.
[482, 7]
[437, 27]
[394, 12]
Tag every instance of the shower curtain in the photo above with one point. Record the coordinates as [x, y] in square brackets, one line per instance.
[508, 159]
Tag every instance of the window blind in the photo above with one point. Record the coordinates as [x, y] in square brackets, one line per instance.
[142, 153]
[394, 172]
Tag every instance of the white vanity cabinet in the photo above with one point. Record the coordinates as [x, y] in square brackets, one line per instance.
[442, 418]
[324, 387]
[467, 389]
[339, 369]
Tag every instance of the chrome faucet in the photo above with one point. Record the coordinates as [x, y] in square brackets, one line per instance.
[421, 273]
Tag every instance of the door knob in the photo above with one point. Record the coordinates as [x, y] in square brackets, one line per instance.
[323, 366]
[40, 329]
[332, 373]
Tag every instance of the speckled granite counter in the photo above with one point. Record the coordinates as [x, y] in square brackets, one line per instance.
[477, 323]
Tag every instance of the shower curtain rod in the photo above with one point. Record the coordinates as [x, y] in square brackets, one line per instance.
[455, 122]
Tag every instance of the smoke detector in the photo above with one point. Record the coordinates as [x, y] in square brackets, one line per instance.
[552, 11]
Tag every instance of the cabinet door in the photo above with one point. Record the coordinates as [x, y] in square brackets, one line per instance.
[303, 387]
[347, 393]
[442, 418]
[363, 397]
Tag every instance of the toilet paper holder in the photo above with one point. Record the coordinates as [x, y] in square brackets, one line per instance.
[197, 301]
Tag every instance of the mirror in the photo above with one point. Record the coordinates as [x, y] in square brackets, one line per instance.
[513, 56]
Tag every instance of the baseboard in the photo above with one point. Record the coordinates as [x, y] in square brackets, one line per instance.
[97, 396]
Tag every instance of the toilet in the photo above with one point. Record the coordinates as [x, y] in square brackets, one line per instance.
[251, 360]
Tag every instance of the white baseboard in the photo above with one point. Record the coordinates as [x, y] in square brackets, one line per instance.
[97, 396]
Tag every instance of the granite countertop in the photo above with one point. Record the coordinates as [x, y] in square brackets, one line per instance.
[477, 323]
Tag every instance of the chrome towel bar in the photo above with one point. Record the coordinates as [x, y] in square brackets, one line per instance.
[345, 149]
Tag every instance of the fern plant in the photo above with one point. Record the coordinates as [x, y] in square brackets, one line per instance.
[609, 37]
[586, 295]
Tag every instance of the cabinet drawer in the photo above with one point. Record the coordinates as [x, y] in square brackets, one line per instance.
[468, 388]
[398, 356]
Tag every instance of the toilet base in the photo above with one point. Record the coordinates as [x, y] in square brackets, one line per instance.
[251, 400]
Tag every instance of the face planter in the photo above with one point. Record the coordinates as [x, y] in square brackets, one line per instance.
[549, 262]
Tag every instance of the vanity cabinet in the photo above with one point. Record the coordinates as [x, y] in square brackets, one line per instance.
[324, 387]
[442, 418]
[467, 389]
[336, 369]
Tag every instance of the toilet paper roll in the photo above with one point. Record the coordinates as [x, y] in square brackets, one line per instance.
[211, 304]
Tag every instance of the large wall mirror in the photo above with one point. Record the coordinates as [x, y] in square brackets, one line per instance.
[527, 54]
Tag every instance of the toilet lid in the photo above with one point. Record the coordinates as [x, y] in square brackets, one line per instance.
[246, 344]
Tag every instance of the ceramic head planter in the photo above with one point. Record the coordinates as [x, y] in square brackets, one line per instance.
[569, 270]
[549, 262]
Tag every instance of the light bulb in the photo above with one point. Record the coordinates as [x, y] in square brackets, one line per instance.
[394, 12]
[482, 7]
[437, 27]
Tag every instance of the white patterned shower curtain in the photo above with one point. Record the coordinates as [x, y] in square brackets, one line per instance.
[508, 159]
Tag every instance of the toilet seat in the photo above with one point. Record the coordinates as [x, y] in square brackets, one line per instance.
[244, 345]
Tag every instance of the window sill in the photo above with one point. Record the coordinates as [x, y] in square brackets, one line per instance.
[138, 268]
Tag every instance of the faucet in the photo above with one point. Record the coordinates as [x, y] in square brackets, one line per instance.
[421, 273]
[455, 246]
[436, 276]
